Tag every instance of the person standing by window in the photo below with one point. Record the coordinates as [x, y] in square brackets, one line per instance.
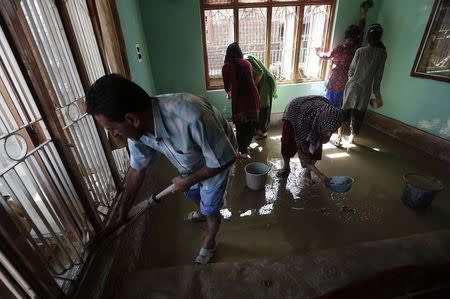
[241, 89]
[342, 56]
[267, 88]
[364, 76]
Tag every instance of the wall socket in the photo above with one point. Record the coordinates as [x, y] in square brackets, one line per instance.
[138, 52]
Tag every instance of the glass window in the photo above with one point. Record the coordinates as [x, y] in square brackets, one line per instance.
[283, 37]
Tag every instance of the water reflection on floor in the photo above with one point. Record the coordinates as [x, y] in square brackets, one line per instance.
[291, 216]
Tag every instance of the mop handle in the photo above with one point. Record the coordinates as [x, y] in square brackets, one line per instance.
[165, 192]
[140, 207]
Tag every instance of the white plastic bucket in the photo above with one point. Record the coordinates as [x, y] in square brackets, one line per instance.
[255, 175]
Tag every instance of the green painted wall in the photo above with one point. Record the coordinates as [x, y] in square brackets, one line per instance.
[174, 33]
[347, 13]
[133, 32]
[173, 29]
[422, 103]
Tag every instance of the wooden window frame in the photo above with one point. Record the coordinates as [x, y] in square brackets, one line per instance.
[269, 4]
[423, 43]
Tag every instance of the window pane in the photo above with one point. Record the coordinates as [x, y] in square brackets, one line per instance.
[219, 33]
[252, 31]
[282, 41]
[436, 55]
[314, 35]
[216, 1]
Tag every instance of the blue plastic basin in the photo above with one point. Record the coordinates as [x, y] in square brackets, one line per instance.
[420, 190]
[340, 183]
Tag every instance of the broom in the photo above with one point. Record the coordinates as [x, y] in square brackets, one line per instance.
[114, 231]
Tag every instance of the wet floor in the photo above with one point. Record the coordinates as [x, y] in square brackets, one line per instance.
[290, 217]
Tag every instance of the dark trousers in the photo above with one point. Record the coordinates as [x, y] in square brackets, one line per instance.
[244, 135]
[264, 119]
[354, 118]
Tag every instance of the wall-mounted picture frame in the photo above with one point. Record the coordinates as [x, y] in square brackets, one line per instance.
[433, 57]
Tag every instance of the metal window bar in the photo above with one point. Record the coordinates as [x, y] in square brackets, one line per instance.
[79, 17]
[27, 113]
[36, 23]
[59, 208]
[70, 204]
[85, 37]
[34, 186]
[437, 49]
[99, 150]
[16, 277]
[121, 157]
[314, 34]
[252, 31]
[17, 80]
[97, 183]
[219, 34]
[46, 27]
[87, 170]
[47, 212]
[283, 42]
[40, 225]
[288, 72]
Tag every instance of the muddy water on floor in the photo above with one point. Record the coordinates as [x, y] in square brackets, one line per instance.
[291, 216]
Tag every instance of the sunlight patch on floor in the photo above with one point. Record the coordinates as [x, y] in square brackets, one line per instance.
[276, 137]
[338, 155]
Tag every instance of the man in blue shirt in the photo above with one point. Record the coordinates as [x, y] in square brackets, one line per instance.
[192, 134]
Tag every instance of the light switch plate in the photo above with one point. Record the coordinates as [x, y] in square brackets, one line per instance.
[138, 52]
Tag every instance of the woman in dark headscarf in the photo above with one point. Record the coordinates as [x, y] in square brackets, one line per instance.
[241, 89]
[308, 122]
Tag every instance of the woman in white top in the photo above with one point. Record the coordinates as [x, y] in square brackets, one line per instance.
[364, 76]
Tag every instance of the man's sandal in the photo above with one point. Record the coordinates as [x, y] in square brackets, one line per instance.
[204, 256]
[194, 217]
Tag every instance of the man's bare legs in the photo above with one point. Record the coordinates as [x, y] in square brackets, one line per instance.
[213, 224]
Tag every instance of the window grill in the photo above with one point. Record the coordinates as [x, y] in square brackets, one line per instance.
[84, 33]
[35, 188]
[282, 34]
[47, 30]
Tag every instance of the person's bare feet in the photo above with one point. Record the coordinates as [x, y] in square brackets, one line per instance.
[242, 156]
[307, 175]
[283, 173]
[351, 139]
[261, 136]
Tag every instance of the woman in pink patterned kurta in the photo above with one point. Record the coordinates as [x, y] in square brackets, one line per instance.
[342, 56]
